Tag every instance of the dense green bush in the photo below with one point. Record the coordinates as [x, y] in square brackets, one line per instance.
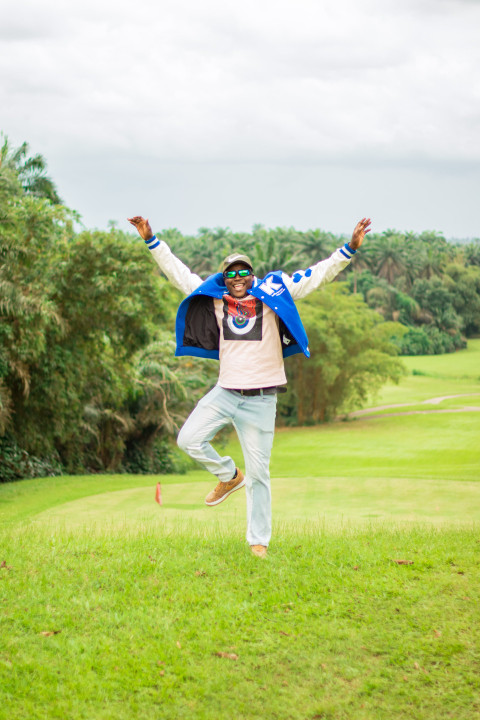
[163, 457]
[16, 463]
[429, 340]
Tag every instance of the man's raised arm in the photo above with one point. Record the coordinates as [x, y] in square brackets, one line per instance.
[175, 270]
[303, 282]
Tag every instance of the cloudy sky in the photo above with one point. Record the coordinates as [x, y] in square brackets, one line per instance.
[311, 113]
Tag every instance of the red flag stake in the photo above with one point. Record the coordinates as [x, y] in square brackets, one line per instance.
[158, 494]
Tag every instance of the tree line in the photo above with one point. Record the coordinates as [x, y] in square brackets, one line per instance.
[88, 377]
[429, 285]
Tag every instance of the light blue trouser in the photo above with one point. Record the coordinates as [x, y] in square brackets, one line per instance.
[254, 420]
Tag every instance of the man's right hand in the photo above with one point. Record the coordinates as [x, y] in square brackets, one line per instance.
[142, 225]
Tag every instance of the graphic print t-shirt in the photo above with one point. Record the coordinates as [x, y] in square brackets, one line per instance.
[250, 347]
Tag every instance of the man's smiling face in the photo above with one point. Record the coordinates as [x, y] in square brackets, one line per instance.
[237, 287]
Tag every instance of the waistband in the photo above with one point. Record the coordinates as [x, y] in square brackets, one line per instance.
[255, 391]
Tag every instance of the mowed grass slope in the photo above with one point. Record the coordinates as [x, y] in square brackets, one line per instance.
[420, 467]
[411, 468]
[356, 624]
[436, 376]
[113, 607]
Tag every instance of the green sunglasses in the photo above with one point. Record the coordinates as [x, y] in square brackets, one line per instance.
[230, 274]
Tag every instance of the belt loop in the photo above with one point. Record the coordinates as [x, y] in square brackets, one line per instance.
[261, 392]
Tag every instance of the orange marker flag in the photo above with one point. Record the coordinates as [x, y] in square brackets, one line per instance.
[158, 494]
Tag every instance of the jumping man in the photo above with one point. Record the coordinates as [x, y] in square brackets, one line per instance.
[250, 325]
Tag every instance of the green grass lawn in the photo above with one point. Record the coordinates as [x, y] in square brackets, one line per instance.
[421, 468]
[151, 623]
[458, 365]
[112, 607]
[436, 376]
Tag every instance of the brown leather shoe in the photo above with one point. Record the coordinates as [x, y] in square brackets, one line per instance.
[259, 550]
[224, 489]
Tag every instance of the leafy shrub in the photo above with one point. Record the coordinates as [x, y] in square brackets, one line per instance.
[162, 458]
[16, 463]
[429, 340]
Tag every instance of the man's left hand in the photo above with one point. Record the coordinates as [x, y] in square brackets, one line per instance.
[361, 229]
[142, 225]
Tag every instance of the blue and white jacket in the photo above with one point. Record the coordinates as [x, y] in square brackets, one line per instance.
[196, 325]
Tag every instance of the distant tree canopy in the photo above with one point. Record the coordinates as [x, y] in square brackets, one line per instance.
[405, 277]
[88, 377]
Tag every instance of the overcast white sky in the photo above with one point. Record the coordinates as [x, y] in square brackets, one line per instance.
[311, 113]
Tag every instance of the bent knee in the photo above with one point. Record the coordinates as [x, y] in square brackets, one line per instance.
[182, 441]
[187, 443]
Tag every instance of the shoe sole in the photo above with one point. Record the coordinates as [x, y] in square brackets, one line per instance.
[259, 554]
[224, 497]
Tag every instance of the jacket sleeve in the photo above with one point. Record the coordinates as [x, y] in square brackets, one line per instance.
[303, 282]
[176, 271]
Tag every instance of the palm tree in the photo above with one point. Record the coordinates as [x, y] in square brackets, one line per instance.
[203, 252]
[316, 245]
[388, 254]
[30, 171]
[434, 254]
[472, 252]
[279, 249]
[432, 262]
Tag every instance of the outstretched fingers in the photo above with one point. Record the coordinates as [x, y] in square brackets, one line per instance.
[361, 229]
[142, 226]
[364, 225]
